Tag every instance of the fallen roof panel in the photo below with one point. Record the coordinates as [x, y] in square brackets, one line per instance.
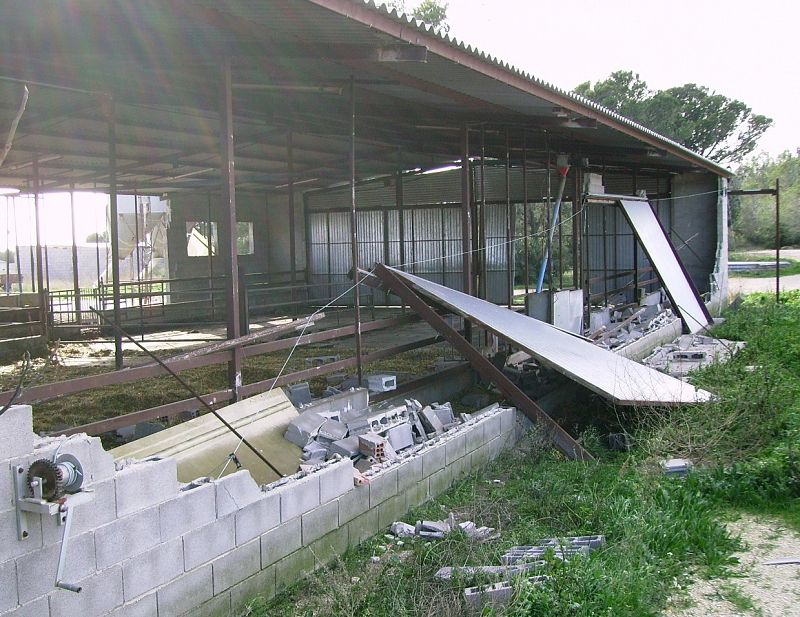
[662, 255]
[614, 377]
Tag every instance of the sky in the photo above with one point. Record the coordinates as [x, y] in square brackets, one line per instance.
[743, 49]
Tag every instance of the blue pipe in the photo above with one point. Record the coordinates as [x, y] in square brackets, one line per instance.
[556, 211]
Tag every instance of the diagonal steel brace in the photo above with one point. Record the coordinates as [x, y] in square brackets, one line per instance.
[562, 440]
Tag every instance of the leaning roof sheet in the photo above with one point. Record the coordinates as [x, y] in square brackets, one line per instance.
[616, 378]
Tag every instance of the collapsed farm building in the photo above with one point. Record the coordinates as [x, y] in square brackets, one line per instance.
[321, 175]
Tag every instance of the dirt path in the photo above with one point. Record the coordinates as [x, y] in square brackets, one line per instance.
[737, 285]
[756, 589]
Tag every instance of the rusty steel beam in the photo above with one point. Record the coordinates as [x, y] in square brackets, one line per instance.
[563, 441]
[37, 394]
[221, 396]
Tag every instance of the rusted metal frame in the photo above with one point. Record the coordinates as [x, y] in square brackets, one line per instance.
[509, 225]
[221, 396]
[576, 228]
[76, 285]
[565, 443]
[228, 220]
[290, 193]
[484, 258]
[74, 386]
[333, 367]
[436, 46]
[635, 243]
[114, 225]
[354, 231]
[525, 226]
[43, 309]
[466, 225]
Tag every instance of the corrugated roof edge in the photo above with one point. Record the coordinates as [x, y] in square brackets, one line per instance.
[406, 20]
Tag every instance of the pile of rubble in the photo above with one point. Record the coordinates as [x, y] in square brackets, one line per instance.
[690, 352]
[344, 424]
[518, 561]
[613, 327]
[437, 530]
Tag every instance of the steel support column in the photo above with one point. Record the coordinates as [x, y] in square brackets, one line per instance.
[114, 227]
[290, 191]
[228, 220]
[509, 228]
[43, 309]
[76, 284]
[777, 240]
[466, 224]
[354, 229]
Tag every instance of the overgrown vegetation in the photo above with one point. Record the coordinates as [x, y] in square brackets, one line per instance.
[660, 531]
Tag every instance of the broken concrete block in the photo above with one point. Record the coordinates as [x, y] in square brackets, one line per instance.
[304, 428]
[403, 530]
[347, 447]
[143, 429]
[381, 383]
[433, 526]
[447, 574]
[146, 483]
[321, 360]
[400, 437]
[676, 467]
[314, 452]
[494, 595]
[16, 431]
[372, 444]
[299, 394]
[430, 420]
[444, 413]
[332, 431]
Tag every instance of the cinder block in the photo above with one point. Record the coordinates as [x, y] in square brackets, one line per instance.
[258, 517]
[144, 606]
[293, 567]
[363, 527]
[460, 468]
[433, 459]
[260, 585]
[152, 568]
[493, 426]
[417, 494]
[36, 572]
[299, 496]
[10, 546]
[190, 509]
[16, 431]
[440, 481]
[330, 546]
[382, 486]
[145, 484]
[8, 586]
[126, 537]
[280, 541]
[455, 448]
[479, 457]
[218, 606]
[237, 565]
[40, 607]
[335, 480]
[320, 521]
[100, 593]
[206, 543]
[508, 418]
[392, 510]
[409, 473]
[102, 509]
[235, 492]
[186, 592]
[475, 436]
[353, 503]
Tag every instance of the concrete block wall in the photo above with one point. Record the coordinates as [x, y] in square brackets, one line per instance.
[147, 545]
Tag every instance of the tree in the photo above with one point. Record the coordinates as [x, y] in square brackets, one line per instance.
[720, 128]
[432, 12]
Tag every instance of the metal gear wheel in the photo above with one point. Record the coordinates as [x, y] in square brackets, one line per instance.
[52, 478]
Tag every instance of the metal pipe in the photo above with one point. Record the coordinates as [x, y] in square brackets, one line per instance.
[509, 230]
[228, 220]
[354, 230]
[526, 233]
[483, 257]
[16, 245]
[114, 228]
[290, 192]
[551, 234]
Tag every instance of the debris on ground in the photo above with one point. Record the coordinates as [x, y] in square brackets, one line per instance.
[679, 467]
[690, 352]
[518, 560]
[437, 530]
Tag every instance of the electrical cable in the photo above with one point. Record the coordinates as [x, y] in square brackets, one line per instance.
[26, 365]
